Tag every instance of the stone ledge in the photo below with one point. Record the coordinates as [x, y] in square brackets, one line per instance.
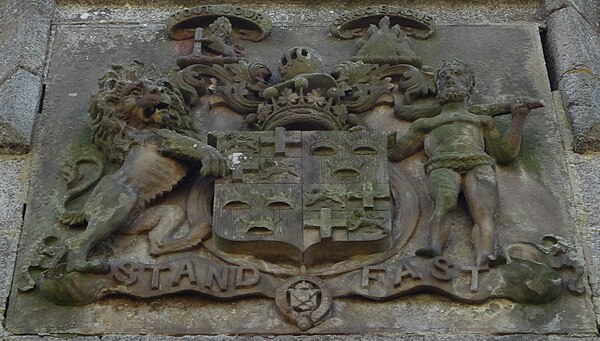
[364, 337]
[581, 96]
[11, 141]
[383, 337]
[310, 3]
[590, 9]
[11, 201]
[24, 39]
[587, 178]
[50, 338]
[572, 43]
[290, 15]
[13, 8]
[573, 53]
[24, 42]
[19, 101]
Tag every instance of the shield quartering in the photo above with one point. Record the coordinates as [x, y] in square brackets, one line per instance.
[303, 197]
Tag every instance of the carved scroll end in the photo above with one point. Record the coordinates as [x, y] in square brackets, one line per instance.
[248, 24]
[355, 24]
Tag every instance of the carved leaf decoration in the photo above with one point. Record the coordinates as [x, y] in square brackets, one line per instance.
[364, 83]
[350, 73]
[552, 252]
[288, 97]
[241, 82]
[238, 71]
[213, 85]
[236, 95]
[366, 95]
[416, 84]
[315, 97]
[341, 113]
[263, 111]
[191, 88]
[255, 75]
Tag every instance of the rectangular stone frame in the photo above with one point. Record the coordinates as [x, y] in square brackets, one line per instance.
[508, 61]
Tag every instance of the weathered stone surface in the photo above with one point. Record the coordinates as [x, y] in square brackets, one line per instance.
[19, 101]
[459, 13]
[572, 43]
[573, 52]
[15, 8]
[588, 206]
[589, 9]
[50, 338]
[23, 44]
[12, 186]
[226, 310]
[525, 337]
[581, 97]
[94, 48]
[306, 3]
[386, 337]
[585, 128]
[11, 140]
[23, 41]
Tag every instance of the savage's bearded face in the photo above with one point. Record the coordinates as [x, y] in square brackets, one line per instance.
[454, 85]
[452, 93]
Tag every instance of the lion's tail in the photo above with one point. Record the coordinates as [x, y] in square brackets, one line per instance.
[76, 186]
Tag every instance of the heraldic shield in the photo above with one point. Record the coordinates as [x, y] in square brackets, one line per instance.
[303, 197]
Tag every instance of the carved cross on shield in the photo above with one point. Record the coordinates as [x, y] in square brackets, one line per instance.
[310, 196]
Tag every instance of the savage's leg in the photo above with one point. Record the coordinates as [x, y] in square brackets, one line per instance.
[481, 193]
[109, 205]
[444, 187]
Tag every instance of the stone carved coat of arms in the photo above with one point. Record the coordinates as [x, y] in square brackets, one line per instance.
[304, 202]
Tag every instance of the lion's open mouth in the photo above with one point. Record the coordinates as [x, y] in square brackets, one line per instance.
[148, 112]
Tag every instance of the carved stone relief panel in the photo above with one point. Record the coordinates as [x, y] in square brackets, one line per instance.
[249, 178]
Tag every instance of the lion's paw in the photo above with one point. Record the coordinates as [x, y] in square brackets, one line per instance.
[213, 163]
[93, 266]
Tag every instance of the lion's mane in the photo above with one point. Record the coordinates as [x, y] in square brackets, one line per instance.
[110, 131]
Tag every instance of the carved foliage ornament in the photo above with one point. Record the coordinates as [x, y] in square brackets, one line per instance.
[301, 204]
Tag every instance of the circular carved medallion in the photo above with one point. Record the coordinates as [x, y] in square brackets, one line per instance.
[304, 300]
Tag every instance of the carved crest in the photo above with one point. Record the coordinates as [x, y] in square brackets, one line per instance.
[302, 201]
[311, 191]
